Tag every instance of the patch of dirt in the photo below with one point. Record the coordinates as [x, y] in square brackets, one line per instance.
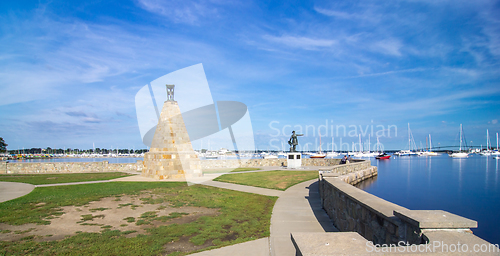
[183, 245]
[110, 212]
[282, 185]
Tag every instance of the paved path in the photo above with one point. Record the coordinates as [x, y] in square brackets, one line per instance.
[259, 247]
[12, 190]
[249, 189]
[298, 209]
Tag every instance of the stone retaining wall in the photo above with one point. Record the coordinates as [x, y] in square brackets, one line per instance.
[380, 221]
[105, 166]
[343, 169]
[235, 163]
[68, 167]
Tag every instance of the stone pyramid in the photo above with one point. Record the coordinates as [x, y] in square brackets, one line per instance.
[171, 155]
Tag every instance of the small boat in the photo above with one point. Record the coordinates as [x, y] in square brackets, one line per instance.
[317, 155]
[383, 156]
[429, 152]
[411, 142]
[333, 153]
[460, 153]
[488, 151]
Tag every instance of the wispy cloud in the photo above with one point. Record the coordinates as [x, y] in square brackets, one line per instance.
[388, 46]
[189, 12]
[302, 42]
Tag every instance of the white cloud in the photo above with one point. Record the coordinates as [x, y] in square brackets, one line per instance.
[302, 42]
[76, 53]
[189, 12]
[388, 46]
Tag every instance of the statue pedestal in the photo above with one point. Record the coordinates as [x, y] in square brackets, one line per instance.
[293, 160]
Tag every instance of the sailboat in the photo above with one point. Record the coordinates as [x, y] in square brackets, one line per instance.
[429, 152]
[319, 154]
[487, 152]
[365, 153]
[497, 152]
[333, 153]
[407, 152]
[460, 153]
[380, 153]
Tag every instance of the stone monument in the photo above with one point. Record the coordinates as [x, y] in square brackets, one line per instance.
[171, 155]
[294, 158]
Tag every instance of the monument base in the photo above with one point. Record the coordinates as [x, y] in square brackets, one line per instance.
[293, 160]
[171, 165]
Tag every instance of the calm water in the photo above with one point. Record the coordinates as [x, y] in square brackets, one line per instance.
[468, 187]
[111, 160]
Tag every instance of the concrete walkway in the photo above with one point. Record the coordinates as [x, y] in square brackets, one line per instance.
[298, 209]
[12, 190]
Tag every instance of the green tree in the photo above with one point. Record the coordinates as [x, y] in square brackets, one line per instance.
[3, 145]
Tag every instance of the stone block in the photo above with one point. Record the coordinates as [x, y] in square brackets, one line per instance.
[434, 219]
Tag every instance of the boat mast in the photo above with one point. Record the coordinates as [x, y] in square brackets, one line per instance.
[430, 143]
[487, 140]
[360, 145]
[369, 144]
[460, 138]
[409, 138]
[497, 141]
[332, 144]
[320, 143]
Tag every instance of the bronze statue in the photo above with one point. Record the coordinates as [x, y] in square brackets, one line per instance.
[170, 92]
[293, 141]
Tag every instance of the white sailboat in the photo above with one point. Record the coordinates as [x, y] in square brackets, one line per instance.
[332, 153]
[487, 152]
[497, 152]
[429, 152]
[408, 152]
[318, 154]
[460, 153]
[366, 153]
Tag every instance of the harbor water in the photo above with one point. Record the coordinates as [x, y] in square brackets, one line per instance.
[469, 187]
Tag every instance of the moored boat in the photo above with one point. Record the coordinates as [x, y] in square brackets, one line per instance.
[460, 153]
[383, 156]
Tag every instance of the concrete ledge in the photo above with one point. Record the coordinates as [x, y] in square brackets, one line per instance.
[435, 219]
[338, 243]
[351, 243]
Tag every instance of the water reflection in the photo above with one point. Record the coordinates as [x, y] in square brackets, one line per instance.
[496, 172]
[486, 183]
[455, 162]
[366, 184]
[461, 186]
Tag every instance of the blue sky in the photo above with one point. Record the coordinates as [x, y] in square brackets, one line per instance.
[69, 70]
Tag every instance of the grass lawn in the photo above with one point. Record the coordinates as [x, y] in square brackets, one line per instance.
[39, 179]
[280, 180]
[225, 170]
[245, 169]
[242, 217]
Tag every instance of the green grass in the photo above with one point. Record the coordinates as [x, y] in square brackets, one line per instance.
[245, 169]
[280, 180]
[39, 179]
[242, 217]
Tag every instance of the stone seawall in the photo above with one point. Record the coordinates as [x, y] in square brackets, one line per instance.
[105, 166]
[385, 223]
[68, 167]
[235, 163]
